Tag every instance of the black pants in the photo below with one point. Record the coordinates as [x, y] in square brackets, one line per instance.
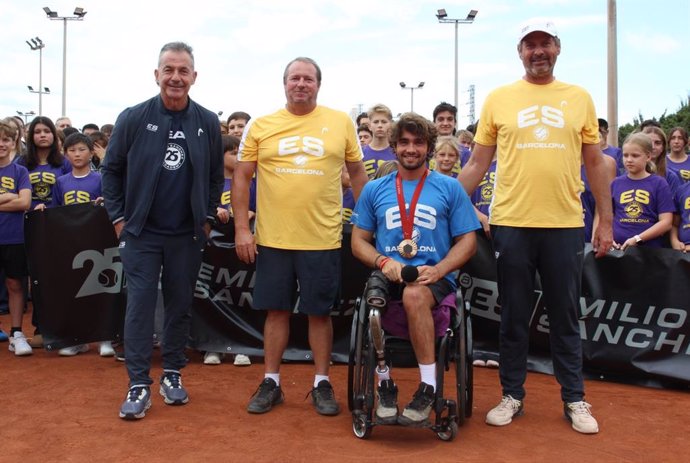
[558, 255]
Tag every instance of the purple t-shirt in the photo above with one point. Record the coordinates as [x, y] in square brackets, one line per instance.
[617, 154]
[374, 158]
[226, 196]
[683, 208]
[588, 205]
[681, 169]
[482, 196]
[637, 205]
[348, 205]
[13, 179]
[43, 178]
[75, 190]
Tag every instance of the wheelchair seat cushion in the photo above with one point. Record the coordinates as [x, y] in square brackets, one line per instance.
[394, 319]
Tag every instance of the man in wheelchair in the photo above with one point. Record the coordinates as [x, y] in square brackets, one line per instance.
[417, 226]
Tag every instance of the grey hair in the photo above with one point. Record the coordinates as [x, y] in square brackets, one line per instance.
[176, 46]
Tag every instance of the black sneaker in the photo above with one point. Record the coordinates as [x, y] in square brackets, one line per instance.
[417, 412]
[171, 389]
[266, 396]
[387, 408]
[136, 403]
[323, 399]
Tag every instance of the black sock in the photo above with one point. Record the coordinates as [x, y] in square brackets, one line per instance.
[15, 329]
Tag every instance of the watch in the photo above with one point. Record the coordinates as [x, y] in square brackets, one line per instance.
[638, 239]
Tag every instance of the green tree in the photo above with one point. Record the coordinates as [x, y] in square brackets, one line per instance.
[681, 118]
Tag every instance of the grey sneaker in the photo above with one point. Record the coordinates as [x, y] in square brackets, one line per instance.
[266, 396]
[387, 408]
[503, 413]
[136, 403]
[417, 412]
[323, 399]
[580, 415]
[171, 389]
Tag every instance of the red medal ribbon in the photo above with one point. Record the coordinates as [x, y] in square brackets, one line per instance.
[407, 220]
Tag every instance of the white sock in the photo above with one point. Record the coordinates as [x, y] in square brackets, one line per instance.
[274, 376]
[428, 374]
[383, 375]
[319, 378]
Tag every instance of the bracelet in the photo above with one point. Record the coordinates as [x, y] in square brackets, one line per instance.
[376, 261]
[383, 262]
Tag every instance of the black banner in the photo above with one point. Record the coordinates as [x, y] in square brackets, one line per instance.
[634, 315]
[634, 305]
[76, 275]
[223, 320]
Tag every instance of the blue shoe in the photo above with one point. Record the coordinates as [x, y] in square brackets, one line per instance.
[3, 336]
[137, 402]
[172, 390]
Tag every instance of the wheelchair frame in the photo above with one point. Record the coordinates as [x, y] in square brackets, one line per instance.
[454, 348]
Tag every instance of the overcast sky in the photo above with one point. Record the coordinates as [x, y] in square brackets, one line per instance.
[365, 48]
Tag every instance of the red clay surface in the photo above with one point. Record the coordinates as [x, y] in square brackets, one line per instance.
[59, 409]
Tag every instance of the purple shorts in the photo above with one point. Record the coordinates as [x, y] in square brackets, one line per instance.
[394, 320]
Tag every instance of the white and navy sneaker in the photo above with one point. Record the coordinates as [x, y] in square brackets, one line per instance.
[136, 403]
[171, 389]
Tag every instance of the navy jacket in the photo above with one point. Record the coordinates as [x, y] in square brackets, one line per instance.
[134, 159]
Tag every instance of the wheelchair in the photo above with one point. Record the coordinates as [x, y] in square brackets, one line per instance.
[372, 348]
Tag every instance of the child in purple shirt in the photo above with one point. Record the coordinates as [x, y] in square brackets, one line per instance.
[642, 203]
[680, 232]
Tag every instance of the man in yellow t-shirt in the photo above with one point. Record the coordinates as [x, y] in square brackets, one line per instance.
[298, 154]
[543, 130]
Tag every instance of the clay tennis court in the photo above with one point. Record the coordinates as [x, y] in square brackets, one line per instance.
[59, 409]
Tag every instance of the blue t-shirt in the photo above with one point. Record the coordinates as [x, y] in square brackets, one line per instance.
[171, 208]
[683, 207]
[443, 212]
[75, 190]
[637, 205]
[374, 158]
[13, 179]
[43, 178]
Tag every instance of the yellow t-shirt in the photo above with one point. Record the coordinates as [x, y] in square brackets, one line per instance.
[538, 131]
[299, 163]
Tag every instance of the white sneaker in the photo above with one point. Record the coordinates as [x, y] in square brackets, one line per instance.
[580, 415]
[106, 349]
[212, 358]
[73, 350]
[503, 413]
[19, 344]
[241, 360]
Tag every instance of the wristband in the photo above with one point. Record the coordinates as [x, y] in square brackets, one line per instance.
[376, 261]
[383, 262]
[638, 239]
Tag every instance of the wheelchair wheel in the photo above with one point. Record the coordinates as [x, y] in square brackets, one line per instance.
[361, 426]
[450, 434]
[354, 364]
[469, 355]
[461, 371]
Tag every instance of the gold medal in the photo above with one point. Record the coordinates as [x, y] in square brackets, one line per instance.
[407, 249]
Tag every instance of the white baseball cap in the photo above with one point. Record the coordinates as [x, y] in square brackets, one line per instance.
[537, 25]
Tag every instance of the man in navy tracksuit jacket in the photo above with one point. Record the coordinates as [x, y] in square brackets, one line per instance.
[162, 179]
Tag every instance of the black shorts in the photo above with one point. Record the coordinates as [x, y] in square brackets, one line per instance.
[280, 271]
[13, 260]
